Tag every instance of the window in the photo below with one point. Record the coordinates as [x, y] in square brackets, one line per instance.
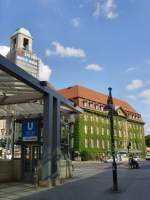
[86, 142]
[96, 118]
[26, 44]
[17, 151]
[103, 144]
[97, 107]
[14, 43]
[85, 129]
[120, 133]
[97, 143]
[124, 134]
[85, 117]
[92, 130]
[97, 130]
[92, 143]
[85, 104]
[102, 131]
[91, 105]
[108, 131]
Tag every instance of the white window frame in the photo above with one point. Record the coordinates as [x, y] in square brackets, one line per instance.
[92, 130]
[92, 143]
[85, 129]
[86, 143]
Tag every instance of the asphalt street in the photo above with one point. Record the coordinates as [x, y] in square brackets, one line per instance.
[134, 184]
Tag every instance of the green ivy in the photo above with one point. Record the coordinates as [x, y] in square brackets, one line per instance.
[79, 136]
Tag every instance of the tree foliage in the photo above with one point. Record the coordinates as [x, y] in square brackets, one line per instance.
[147, 140]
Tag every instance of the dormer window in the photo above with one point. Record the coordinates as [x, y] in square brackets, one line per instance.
[25, 44]
[97, 107]
[91, 105]
[85, 104]
[102, 108]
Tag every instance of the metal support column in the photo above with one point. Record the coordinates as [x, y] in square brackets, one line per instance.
[56, 146]
[51, 138]
[47, 137]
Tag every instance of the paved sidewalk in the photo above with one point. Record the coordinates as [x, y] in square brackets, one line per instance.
[133, 185]
[15, 190]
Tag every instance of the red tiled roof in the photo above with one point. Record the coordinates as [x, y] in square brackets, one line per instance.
[83, 92]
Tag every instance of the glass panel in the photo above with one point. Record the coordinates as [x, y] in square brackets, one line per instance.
[18, 132]
[17, 151]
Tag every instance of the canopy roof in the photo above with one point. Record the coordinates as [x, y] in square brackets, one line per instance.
[14, 91]
[22, 94]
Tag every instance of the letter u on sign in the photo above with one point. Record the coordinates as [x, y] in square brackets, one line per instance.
[30, 126]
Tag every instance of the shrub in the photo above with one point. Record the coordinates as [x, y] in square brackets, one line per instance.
[86, 155]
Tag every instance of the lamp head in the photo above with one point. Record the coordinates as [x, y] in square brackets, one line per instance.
[43, 83]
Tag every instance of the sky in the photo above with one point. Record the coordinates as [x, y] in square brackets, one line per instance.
[93, 43]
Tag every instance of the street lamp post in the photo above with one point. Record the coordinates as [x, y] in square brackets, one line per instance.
[128, 147]
[111, 112]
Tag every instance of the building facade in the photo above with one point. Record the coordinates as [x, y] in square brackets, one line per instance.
[92, 128]
[21, 52]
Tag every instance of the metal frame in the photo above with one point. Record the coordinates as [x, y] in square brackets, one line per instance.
[51, 115]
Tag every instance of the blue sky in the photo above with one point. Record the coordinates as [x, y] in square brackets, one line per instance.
[94, 43]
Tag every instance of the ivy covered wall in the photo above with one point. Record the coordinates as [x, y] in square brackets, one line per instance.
[92, 134]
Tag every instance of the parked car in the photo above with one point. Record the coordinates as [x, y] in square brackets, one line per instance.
[137, 158]
[148, 157]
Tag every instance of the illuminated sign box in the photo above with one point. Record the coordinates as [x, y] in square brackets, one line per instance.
[30, 130]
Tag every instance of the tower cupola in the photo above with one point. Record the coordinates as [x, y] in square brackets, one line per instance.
[21, 39]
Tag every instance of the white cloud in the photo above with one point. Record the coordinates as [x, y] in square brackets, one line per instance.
[105, 8]
[135, 84]
[94, 67]
[75, 22]
[145, 95]
[97, 11]
[44, 72]
[4, 50]
[59, 50]
[130, 69]
[132, 97]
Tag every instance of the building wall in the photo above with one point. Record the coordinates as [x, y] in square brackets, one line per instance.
[92, 134]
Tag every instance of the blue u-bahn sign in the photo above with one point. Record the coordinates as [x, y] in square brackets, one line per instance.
[30, 130]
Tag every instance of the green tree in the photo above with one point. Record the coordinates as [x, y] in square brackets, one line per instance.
[147, 140]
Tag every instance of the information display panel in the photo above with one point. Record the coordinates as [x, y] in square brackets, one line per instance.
[30, 129]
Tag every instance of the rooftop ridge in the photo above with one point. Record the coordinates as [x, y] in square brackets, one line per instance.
[82, 91]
